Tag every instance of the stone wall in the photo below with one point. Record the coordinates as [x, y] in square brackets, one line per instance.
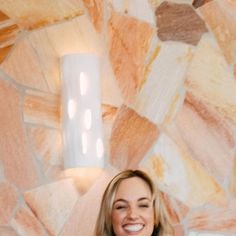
[168, 103]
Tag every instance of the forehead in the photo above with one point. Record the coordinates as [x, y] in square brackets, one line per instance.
[132, 189]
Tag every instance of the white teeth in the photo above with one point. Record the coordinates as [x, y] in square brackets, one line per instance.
[133, 228]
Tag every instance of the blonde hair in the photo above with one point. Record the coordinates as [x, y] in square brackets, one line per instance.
[104, 224]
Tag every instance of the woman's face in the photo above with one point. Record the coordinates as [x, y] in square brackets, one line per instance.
[132, 210]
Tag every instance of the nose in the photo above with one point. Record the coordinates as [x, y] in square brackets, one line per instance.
[132, 213]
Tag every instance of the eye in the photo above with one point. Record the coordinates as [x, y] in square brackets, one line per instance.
[144, 205]
[120, 207]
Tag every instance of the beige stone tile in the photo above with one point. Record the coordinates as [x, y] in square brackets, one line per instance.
[208, 135]
[132, 136]
[212, 220]
[232, 180]
[53, 203]
[25, 223]
[23, 66]
[8, 201]
[160, 95]
[220, 17]
[95, 9]
[174, 171]
[210, 79]
[129, 41]
[179, 22]
[47, 147]
[42, 108]
[18, 166]
[31, 14]
[7, 231]
[84, 215]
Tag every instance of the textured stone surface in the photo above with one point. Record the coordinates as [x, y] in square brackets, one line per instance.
[7, 231]
[199, 3]
[15, 157]
[179, 22]
[8, 201]
[132, 136]
[128, 44]
[25, 223]
[53, 203]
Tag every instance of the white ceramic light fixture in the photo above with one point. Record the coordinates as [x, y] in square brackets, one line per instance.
[81, 111]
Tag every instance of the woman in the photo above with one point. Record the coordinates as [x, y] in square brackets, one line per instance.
[131, 206]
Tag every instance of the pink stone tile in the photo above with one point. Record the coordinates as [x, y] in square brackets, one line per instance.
[84, 215]
[17, 163]
[23, 66]
[132, 136]
[209, 137]
[42, 108]
[179, 22]
[220, 17]
[53, 203]
[95, 9]
[25, 223]
[8, 201]
[129, 41]
[212, 219]
[7, 231]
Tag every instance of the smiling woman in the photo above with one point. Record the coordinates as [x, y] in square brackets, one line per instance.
[132, 206]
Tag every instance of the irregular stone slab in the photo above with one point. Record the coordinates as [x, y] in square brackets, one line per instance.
[132, 136]
[53, 203]
[8, 201]
[23, 66]
[220, 17]
[209, 137]
[129, 41]
[25, 223]
[194, 186]
[15, 157]
[8, 33]
[160, 93]
[210, 79]
[95, 9]
[212, 220]
[42, 108]
[199, 3]
[7, 231]
[31, 14]
[179, 22]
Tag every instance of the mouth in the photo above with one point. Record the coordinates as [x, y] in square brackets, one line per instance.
[133, 228]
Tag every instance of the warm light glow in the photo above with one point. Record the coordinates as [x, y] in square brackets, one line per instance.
[83, 83]
[71, 108]
[88, 119]
[84, 143]
[99, 148]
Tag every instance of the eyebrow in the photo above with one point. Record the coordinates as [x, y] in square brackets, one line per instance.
[125, 201]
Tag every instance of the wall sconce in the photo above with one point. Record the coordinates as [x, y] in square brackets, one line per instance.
[81, 111]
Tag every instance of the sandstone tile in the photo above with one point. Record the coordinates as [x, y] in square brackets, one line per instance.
[4, 52]
[47, 147]
[220, 17]
[138, 9]
[129, 41]
[31, 14]
[8, 201]
[232, 180]
[212, 220]
[3, 16]
[84, 215]
[22, 65]
[199, 3]
[25, 223]
[132, 136]
[209, 137]
[179, 22]
[164, 82]
[210, 79]
[7, 231]
[95, 9]
[15, 157]
[194, 186]
[53, 203]
[42, 108]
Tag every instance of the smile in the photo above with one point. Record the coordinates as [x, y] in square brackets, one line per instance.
[133, 227]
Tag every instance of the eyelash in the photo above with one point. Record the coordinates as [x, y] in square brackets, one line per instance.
[123, 207]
